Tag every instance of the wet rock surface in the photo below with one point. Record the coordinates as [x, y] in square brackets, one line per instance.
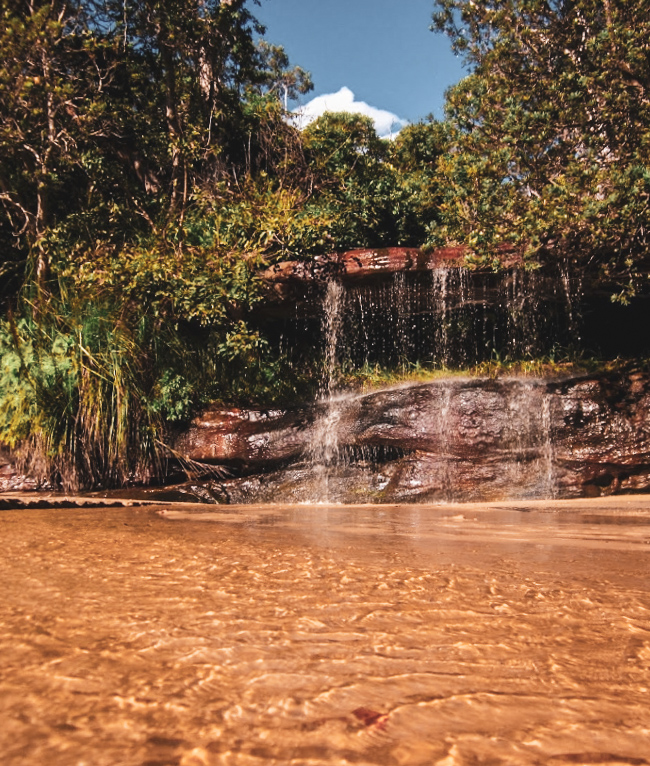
[292, 284]
[245, 437]
[451, 439]
[364, 263]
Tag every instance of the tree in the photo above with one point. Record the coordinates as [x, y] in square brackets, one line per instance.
[127, 128]
[288, 82]
[552, 130]
[112, 113]
[355, 186]
[183, 65]
[47, 81]
[415, 155]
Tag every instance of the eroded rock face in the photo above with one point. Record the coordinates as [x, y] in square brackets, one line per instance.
[289, 282]
[245, 438]
[601, 429]
[363, 263]
[446, 440]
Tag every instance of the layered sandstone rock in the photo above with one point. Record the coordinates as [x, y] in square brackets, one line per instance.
[245, 438]
[367, 262]
[452, 439]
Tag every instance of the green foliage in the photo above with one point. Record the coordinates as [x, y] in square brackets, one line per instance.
[355, 185]
[561, 365]
[357, 191]
[415, 156]
[113, 114]
[149, 175]
[552, 132]
[71, 395]
[167, 282]
[87, 389]
[260, 218]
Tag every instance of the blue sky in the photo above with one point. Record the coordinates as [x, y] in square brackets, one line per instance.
[379, 50]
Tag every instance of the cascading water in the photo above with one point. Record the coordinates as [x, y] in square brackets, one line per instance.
[332, 323]
[446, 317]
[451, 302]
[549, 486]
[528, 438]
[324, 445]
[572, 287]
[444, 423]
[450, 317]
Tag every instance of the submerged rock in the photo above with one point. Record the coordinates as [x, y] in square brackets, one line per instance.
[451, 439]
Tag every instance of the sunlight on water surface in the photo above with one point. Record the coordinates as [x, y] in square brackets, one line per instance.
[516, 633]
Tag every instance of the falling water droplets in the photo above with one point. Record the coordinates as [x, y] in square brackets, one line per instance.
[324, 453]
[446, 317]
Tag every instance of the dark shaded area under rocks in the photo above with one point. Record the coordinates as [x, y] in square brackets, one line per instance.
[407, 304]
[451, 439]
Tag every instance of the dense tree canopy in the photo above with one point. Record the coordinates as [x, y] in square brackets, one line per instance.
[148, 174]
[552, 130]
[111, 112]
[124, 126]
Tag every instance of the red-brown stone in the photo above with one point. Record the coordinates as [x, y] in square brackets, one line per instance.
[364, 263]
[471, 440]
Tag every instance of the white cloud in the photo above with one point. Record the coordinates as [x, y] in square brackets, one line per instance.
[386, 123]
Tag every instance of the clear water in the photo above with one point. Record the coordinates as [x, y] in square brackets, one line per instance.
[512, 633]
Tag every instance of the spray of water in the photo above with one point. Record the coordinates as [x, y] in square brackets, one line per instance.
[528, 439]
[572, 285]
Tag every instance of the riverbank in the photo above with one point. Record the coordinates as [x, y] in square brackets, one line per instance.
[30, 500]
[621, 504]
[616, 504]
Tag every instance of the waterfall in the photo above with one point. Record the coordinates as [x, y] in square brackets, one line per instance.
[450, 317]
[572, 287]
[451, 301]
[445, 317]
[332, 322]
[401, 299]
[528, 440]
[549, 483]
[323, 452]
[443, 429]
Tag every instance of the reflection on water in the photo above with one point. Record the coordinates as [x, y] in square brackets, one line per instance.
[509, 634]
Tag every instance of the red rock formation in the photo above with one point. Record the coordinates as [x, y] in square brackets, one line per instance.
[292, 283]
[243, 437]
[365, 263]
[463, 440]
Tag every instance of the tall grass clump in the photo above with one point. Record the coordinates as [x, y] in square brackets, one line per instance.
[91, 388]
[73, 401]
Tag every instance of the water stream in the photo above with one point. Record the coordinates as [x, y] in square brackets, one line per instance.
[530, 468]
[511, 634]
[450, 317]
[323, 452]
[514, 633]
